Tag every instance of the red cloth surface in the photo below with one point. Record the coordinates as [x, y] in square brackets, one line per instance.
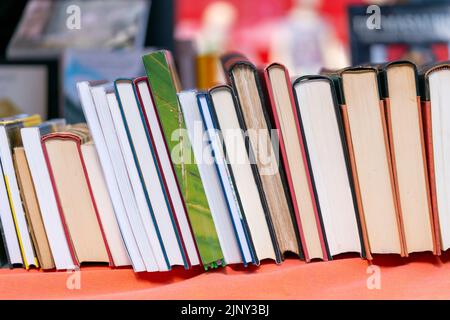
[418, 277]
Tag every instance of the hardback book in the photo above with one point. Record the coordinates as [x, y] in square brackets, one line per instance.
[233, 203]
[250, 98]
[151, 252]
[320, 120]
[400, 92]
[205, 162]
[434, 80]
[32, 210]
[243, 174]
[121, 210]
[60, 246]
[147, 168]
[9, 139]
[164, 85]
[146, 213]
[73, 192]
[105, 208]
[364, 120]
[166, 170]
[12, 255]
[286, 120]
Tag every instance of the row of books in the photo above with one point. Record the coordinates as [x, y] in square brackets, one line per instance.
[355, 160]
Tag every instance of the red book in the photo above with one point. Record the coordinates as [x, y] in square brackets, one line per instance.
[295, 162]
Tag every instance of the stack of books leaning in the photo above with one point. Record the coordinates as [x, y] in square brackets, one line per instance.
[349, 161]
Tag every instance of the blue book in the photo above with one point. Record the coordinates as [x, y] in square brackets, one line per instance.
[226, 180]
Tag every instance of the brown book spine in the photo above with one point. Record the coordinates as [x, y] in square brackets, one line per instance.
[390, 151]
[428, 141]
[276, 119]
[348, 137]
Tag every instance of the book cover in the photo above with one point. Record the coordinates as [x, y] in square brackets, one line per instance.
[32, 210]
[243, 76]
[91, 108]
[164, 84]
[106, 212]
[356, 163]
[244, 174]
[10, 138]
[127, 111]
[83, 228]
[228, 182]
[168, 177]
[277, 120]
[190, 103]
[59, 244]
[343, 142]
[400, 92]
[433, 151]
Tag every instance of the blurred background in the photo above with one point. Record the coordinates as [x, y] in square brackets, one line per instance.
[47, 46]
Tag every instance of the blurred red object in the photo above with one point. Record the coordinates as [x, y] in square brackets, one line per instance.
[255, 11]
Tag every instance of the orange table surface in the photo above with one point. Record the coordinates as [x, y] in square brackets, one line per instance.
[421, 276]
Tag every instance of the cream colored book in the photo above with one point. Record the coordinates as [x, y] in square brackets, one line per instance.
[404, 119]
[365, 124]
[74, 194]
[435, 101]
[325, 141]
[243, 175]
[104, 205]
[32, 210]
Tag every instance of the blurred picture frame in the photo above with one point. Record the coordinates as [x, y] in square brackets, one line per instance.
[29, 86]
[415, 31]
[44, 29]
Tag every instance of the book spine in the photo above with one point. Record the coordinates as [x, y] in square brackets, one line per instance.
[365, 237]
[163, 83]
[390, 151]
[306, 160]
[163, 182]
[428, 139]
[231, 176]
[222, 186]
[256, 175]
[158, 160]
[138, 168]
[91, 195]
[58, 203]
[348, 164]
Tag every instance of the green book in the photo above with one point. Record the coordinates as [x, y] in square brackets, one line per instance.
[164, 83]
